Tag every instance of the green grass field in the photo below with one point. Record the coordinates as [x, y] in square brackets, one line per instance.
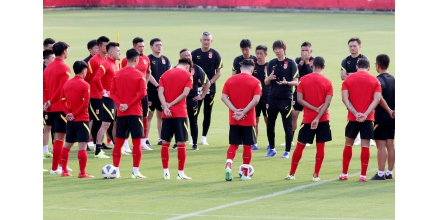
[208, 195]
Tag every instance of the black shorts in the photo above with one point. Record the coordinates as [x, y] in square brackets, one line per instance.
[322, 133]
[95, 107]
[58, 121]
[108, 112]
[242, 135]
[155, 102]
[46, 120]
[261, 108]
[144, 103]
[129, 124]
[296, 105]
[77, 131]
[384, 127]
[174, 126]
[364, 128]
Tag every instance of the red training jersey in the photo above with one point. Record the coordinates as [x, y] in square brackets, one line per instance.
[174, 82]
[92, 67]
[103, 78]
[129, 87]
[241, 89]
[143, 65]
[361, 87]
[314, 87]
[75, 97]
[55, 76]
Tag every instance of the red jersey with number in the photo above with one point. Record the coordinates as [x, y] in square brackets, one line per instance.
[361, 87]
[174, 82]
[75, 97]
[55, 76]
[241, 89]
[129, 87]
[104, 78]
[314, 87]
[92, 67]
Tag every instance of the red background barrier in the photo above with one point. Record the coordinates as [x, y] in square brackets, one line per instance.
[309, 4]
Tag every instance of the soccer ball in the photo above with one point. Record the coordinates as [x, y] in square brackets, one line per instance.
[251, 170]
[109, 171]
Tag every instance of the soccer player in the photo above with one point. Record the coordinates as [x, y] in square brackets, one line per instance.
[48, 57]
[100, 89]
[93, 48]
[283, 76]
[241, 99]
[48, 43]
[361, 92]
[174, 87]
[143, 66]
[245, 46]
[200, 80]
[75, 98]
[314, 93]
[54, 77]
[384, 122]
[159, 64]
[260, 72]
[127, 91]
[211, 62]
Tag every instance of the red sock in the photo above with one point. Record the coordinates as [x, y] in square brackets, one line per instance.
[145, 123]
[181, 156]
[165, 154]
[296, 157]
[346, 157]
[137, 152]
[117, 151]
[365, 158]
[64, 159]
[82, 161]
[57, 148]
[247, 157]
[230, 154]
[319, 157]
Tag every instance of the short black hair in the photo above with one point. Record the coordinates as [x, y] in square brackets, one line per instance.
[354, 39]
[47, 53]
[110, 45]
[154, 40]
[48, 41]
[137, 40]
[79, 66]
[245, 43]
[262, 47]
[59, 47]
[131, 54]
[186, 61]
[319, 62]
[183, 50]
[279, 44]
[383, 61]
[362, 63]
[91, 44]
[306, 44]
[102, 39]
[246, 63]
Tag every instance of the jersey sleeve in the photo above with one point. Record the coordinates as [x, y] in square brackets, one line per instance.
[294, 72]
[235, 65]
[142, 91]
[218, 61]
[57, 95]
[89, 71]
[168, 63]
[64, 102]
[258, 90]
[344, 85]
[85, 97]
[114, 94]
[299, 88]
[330, 88]
[378, 87]
[225, 89]
[97, 80]
[344, 64]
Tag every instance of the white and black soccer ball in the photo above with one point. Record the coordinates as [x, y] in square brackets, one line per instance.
[251, 170]
[109, 171]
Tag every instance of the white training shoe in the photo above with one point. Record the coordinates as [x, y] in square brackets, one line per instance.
[90, 144]
[203, 141]
[145, 146]
[372, 143]
[357, 140]
[307, 144]
[123, 152]
[68, 168]
[190, 141]
[59, 171]
[126, 147]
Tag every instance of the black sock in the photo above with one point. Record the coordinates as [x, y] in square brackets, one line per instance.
[98, 149]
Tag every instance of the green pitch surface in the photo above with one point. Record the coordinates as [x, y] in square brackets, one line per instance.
[208, 195]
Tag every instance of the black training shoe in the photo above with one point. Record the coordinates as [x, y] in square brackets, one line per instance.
[105, 147]
[148, 143]
[159, 142]
[195, 147]
[377, 177]
[174, 146]
[88, 148]
[389, 177]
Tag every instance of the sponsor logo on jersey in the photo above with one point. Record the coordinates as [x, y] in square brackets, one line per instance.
[210, 55]
[192, 71]
[285, 64]
[163, 60]
[198, 57]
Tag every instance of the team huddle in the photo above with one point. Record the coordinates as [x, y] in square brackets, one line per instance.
[106, 97]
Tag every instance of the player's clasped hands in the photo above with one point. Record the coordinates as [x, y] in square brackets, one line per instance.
[69, 117]
[239, 114]
[361, 117]
[166, 110]
[46, 105]
[314, 124]
[123, 107]
[284, 82]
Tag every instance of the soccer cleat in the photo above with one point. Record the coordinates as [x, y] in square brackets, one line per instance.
[68, 168]
[101, 155]
[316, 179]
[47, 155]
[307, 144]
[123, 152]
[85, 175]
[90, 144]
[65, 174]
[137, 176]
[126, 147]
[175, 146]
[343, 177]
[389, 177]
[118, 175]
[166, 176]
[105, 147]
[228, 174]
[372, 143]
[243, 177]
[145, 147]
[182, 177]
[110, 143]
[290, 177]
[59, 171]
[159, 142]
[147, 142]
[285, 155]
[254, 147]
[195, 147]
[271, 153]
[88, 148]
[377, 177]
[268, 147]
[203, 141]
[191, 142]
[362, 179]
